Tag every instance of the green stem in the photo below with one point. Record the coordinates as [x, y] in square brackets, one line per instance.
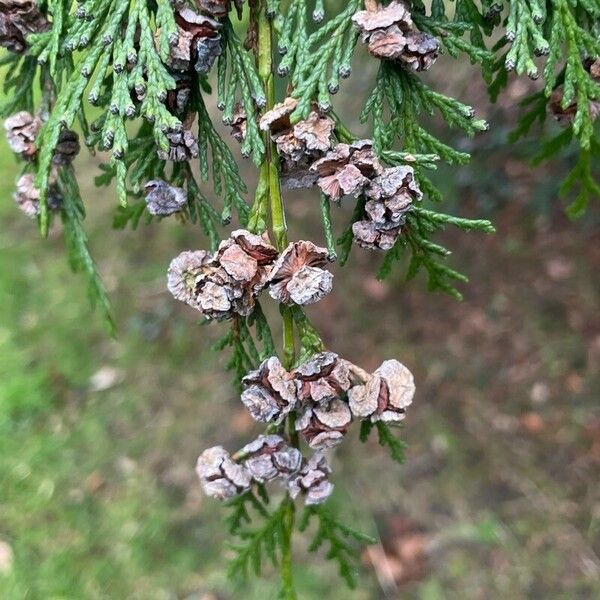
[279, 228]
[287, 576]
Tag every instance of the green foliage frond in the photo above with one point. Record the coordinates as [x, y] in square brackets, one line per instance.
[342, 540]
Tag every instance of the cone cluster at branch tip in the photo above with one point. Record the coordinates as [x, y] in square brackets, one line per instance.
[308, 157]
[267, 458]
[22, 129]
[327, 393]
[227, 282]
[390, 34]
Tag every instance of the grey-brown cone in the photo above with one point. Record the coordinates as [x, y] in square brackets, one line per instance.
[27, 196]
[269, 457]
[323, 378]
[312, 481]
[390, 197]
[270, 393]
[220, 476]
[164, 199]
[183, 146]
[390, 34]
[324, 425]
[21, 130]
[297, 277]
[385, 396]
[347, 169]
[227, 282]
[298, 145]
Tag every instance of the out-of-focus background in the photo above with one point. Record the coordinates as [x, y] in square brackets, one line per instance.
[499, 496]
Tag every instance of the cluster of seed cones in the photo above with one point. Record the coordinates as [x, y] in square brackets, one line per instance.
[195, 48]
[326, 394]
[226, 283]
[22, 129]
[310, 157]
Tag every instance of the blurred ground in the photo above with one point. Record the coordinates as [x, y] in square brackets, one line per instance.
[499, 495]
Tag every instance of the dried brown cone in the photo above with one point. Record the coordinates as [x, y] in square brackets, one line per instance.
[390, 34]
[323, 378]
[67, 147]
[312, 481]
[220, 476]
[297, 277]
[19, 18]
[198, 44]
[164, 199]
[21, 130]
[298, 145]
[270, 393]
[238, 123]
[226, 283]
[366, 235]
[269, 457]
[390, 197]
[386, 394]
[347, 169]
[27, 196]
[324, 425]
[183, 146]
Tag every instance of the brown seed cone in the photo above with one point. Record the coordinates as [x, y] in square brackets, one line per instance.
[178, 99]
[220, 476]
[21, 130]
[390, 197]
[298, 145]
[312, 481]
[239, 123]
[67, 148]
[226, 283]
[379, 17]
[270, 393]
[323, 378]
[366, 235]
[269, 457]
[277, 120]
[183, 146]
[19, 18]
[27, 196]
[198, 44]
[566, 116]
[347, 169]
[385, 396]
[324, 426]
[390, 34]
[164, 199]
[297, 276]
